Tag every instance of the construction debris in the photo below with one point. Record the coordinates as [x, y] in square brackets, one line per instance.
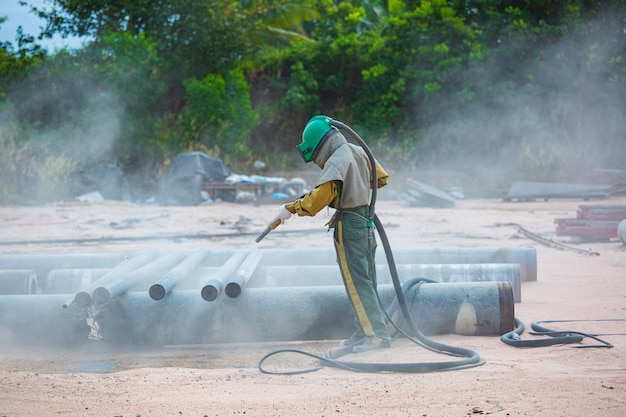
[592, 223]
[549, 242]
[419, 194]
[197, 178]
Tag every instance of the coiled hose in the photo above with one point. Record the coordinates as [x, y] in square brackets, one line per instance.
[562, 337]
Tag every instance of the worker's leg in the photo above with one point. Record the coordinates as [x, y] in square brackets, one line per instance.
[358, 272]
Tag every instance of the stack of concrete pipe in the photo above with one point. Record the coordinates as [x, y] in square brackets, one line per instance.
[182, 297]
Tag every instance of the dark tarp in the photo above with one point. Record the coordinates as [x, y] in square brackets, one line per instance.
[182, 185]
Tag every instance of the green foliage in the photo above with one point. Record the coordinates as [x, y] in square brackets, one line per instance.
[31, 175]
[476, 84]
[92, 105]
[128, 64]
[194, 37]
[218, 115]
[14, 66]
[298, 95]
[280, 20]
[52, 176]
[14, 160]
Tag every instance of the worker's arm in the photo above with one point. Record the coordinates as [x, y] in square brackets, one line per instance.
[381, 175]
[312, 202]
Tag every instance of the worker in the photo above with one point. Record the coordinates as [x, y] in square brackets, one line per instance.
[344, 185]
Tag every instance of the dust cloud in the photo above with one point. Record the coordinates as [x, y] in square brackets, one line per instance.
[553, 116]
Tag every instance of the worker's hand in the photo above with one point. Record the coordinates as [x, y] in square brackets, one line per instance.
[283, 214]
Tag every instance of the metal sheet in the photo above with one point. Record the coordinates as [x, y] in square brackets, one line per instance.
[523, 190]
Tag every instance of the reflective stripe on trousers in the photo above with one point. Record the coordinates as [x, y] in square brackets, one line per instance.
[359, 273]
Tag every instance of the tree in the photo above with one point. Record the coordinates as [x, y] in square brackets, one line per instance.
[280, 21]
[193, 38]
[218, 116]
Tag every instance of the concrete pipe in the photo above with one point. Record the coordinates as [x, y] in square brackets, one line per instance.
[303, 313]
[43, 264]
[18, 282]
[38, 320]
[127, 281]
[621, 231]
[71, 281]
[83, 298]
[166, 284]
[238, 281]
[311, 275]
[525, 257]
[214, 285]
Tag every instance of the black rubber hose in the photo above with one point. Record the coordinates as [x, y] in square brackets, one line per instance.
[330, 358]
[562, 337]
[472, 357]
[513, 338]
[540, 330]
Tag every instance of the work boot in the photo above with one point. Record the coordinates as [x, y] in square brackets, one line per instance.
[370, 344]
[355, 339]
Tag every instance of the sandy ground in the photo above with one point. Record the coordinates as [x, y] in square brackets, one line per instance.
[220, 380]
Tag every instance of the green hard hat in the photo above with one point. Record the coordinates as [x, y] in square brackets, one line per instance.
[314, 132]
